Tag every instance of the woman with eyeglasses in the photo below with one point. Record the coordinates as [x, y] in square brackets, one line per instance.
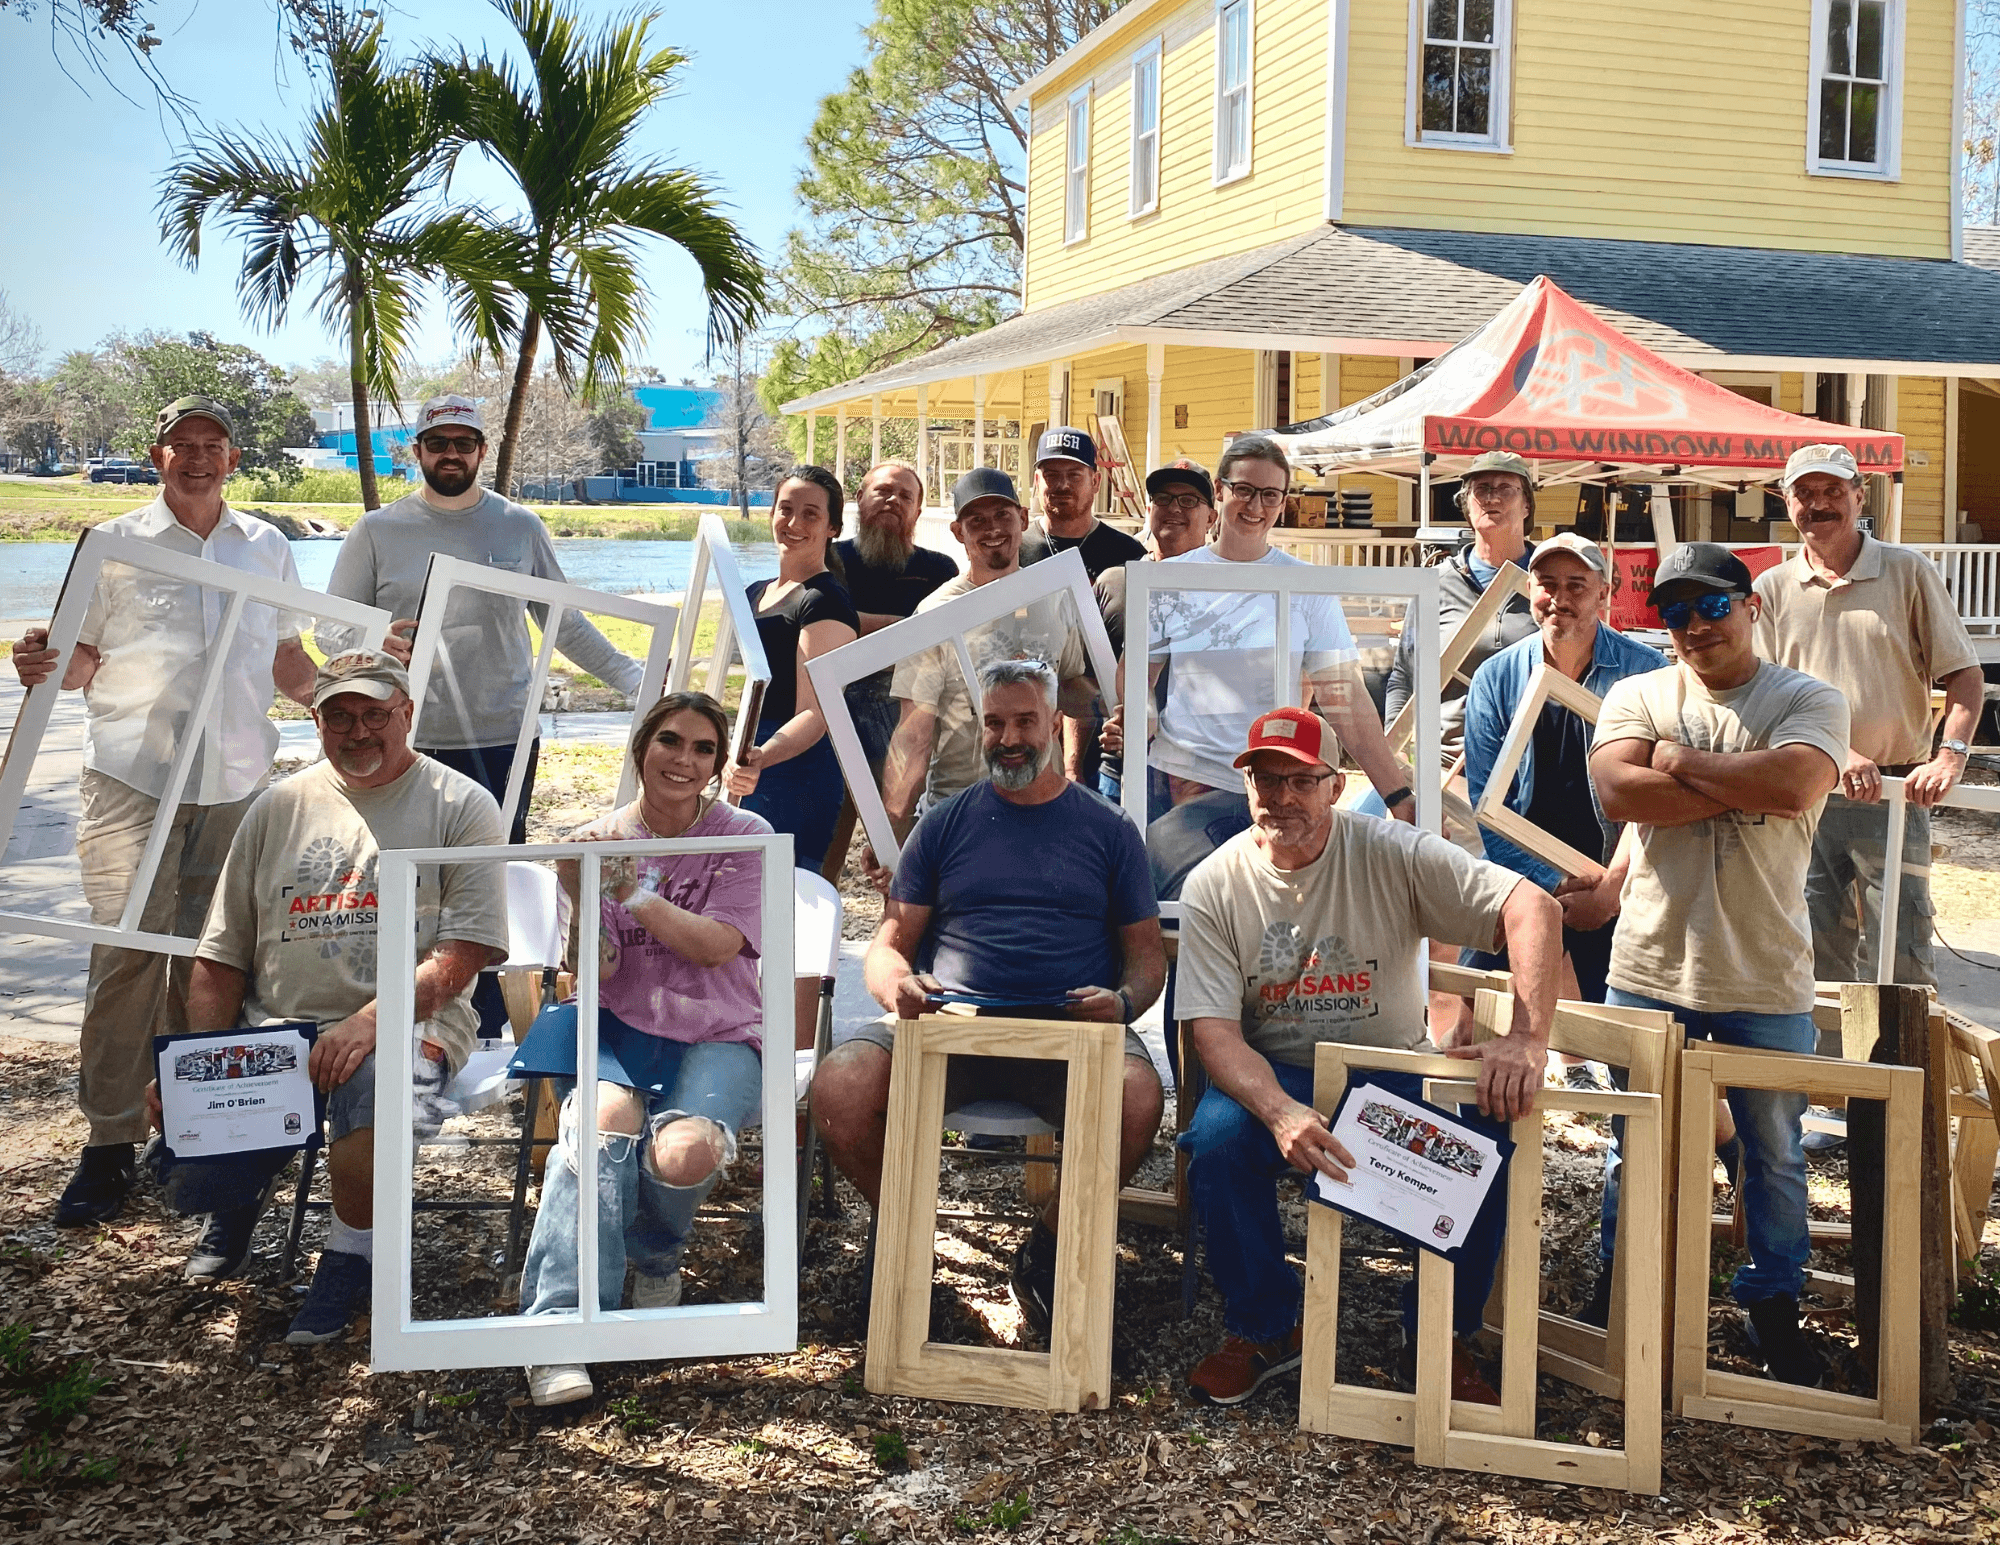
[792, 778]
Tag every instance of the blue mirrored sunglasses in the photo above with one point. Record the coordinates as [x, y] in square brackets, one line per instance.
[1714, 606]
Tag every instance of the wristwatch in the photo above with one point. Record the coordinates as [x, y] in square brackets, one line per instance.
[1396, 796]
[1125, 1003]
[1955, 745]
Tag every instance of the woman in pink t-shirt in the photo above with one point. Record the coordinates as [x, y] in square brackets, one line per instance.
[679, 1029]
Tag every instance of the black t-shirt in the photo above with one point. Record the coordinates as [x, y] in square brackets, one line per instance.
[1562, 806]
[820, 599]
[890, 594]
[1104, 547]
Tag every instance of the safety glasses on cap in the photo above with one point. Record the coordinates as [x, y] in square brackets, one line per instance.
[1714, 606]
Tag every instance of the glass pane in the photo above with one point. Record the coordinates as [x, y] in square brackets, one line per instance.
[1475, 90]
[1142, 172]
[1479, 21]
[1439, 88]
[1147, 102]
[1441, 21]
[1077, 122]
[1833, 120]
[1868, 41]
[1235, 29]
[1839, 21]
[1861, 134]
[1238, 141]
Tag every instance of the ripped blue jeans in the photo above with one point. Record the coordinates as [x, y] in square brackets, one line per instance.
[640, 1218]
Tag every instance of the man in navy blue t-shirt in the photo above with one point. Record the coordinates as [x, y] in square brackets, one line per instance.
[1026, 896]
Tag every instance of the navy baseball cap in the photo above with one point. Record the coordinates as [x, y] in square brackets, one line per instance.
[1066, 444]
[1699, 566]
[982, 483]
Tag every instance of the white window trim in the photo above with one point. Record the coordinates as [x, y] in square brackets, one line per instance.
[1076, 214]
[1891, 121]
[1221, 175]
[1154, 54]
[1501, 141]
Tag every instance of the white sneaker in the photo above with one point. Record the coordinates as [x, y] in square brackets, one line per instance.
[558, 1384]
[649, 1292]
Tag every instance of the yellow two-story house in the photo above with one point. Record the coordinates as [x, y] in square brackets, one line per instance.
[1244, 213]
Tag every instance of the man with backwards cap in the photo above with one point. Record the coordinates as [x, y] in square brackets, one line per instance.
[1305, 929]
[478, 691]
[139, 664]
[1723, 763]
[1067, 479]
[1874, 620]
[292, 936]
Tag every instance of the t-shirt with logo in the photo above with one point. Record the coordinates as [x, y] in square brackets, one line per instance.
[1713, 915]
[1329, 952]
[296, 908]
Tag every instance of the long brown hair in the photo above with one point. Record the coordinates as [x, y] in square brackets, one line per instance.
[663, 710]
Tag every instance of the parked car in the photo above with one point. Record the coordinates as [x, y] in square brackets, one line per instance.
[117, 469]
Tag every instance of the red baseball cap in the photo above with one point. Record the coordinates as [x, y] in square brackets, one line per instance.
[1296, 733]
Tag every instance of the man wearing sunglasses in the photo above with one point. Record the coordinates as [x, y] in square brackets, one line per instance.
[1305, 929]
[1723, 762]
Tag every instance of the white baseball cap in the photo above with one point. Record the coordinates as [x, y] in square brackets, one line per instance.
[450, 409]
[1834, 460]
[1570, 542]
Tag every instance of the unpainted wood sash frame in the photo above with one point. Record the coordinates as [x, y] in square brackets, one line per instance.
[1544, 685]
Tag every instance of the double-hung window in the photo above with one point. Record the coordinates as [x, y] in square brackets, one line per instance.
[1459, 70]
[1076, 162]
[1146, 131]
[1232, 89]
[1855, 66]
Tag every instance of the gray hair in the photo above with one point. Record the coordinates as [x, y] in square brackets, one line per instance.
[897, 464]
[1254, 448]
[1028, 672]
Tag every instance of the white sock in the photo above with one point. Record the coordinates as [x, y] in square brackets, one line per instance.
[351, 1241]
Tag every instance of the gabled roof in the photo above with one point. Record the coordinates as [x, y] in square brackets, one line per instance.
[1407, 292]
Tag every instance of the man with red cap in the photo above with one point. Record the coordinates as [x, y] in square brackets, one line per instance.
[1308, 928]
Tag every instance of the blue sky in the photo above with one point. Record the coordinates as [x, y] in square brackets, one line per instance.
[79, 250]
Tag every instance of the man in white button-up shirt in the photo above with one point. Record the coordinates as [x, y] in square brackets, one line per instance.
[139, 661]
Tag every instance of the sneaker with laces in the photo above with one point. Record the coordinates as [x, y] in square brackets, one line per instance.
[1233, 1374]
[650, 1292]
[342, 1286]
[1773, 1327]
[225, 1240]
[1583, 1076]
[96, 1192]
[1033, 1279]
[559, 1384]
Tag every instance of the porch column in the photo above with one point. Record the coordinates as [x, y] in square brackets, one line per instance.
[1951, 458]
[812, 421]
[979, 421]
[1156, 368]
[1857, 395]
[840, 443]
[1058, 393]
[875, 430]
[924, 440]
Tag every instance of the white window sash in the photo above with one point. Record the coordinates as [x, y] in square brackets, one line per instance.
[1076, 168]
[426, 653]
[833, 672]
[400, 1342]
[94, 551]
[1499, 100]
[1417, 587]
[1889, 111]
[1145, 173]
[1235, 79]
[735, 633]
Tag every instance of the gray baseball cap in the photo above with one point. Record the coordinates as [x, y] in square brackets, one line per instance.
[365, 674]
[191, 407]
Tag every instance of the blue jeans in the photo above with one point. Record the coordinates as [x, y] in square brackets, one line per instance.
[1232, 1177]
[1774, 1165]
[640, 1217]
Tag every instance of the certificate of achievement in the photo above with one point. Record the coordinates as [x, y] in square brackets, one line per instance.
[237, 1091]
[1418, 1170]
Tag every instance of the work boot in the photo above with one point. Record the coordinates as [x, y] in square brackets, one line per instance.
[1773, 1327]
[96, 1192]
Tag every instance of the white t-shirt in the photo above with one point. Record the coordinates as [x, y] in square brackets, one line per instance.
[1220, 647]
[152, 635]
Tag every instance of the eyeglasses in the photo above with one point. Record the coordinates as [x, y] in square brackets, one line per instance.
[1186, 504]
[1251, 494]
[1496, 488]
[340, 721]
[1714, 606]
[1301, 784]
[437, 445]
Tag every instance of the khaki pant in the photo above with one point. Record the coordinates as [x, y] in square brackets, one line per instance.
[134, 995]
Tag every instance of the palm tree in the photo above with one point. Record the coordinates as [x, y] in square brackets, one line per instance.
[563, 134]
[348, 208]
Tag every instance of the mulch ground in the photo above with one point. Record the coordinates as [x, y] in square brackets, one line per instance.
[207, 1428]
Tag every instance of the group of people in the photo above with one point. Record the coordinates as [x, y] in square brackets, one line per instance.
[1021, 889]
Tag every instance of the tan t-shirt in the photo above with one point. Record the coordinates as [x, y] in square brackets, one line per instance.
[1881, 633]
[296, 905]
[1329, 952]
[1044, 629]
[1713, 914]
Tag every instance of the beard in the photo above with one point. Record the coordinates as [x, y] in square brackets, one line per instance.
[1017, 777]
[882, 547]
[450, 484]
[361, 761]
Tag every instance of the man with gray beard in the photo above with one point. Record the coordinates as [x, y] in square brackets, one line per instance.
[1015, 888]
[887, 575]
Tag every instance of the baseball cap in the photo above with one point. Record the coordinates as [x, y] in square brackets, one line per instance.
[1694, 566]
[363, 673]
[1191, 473]
[982, 483]
[1570, 542]
[191, 407]
[1066, 444]
[1502, 461]
[1295, 733]
[450, 409]
[1836, 460]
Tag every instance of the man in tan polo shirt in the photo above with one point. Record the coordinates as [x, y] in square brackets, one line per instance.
[1873, 619]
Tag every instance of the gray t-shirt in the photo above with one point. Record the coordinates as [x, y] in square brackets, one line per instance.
[479, 686]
